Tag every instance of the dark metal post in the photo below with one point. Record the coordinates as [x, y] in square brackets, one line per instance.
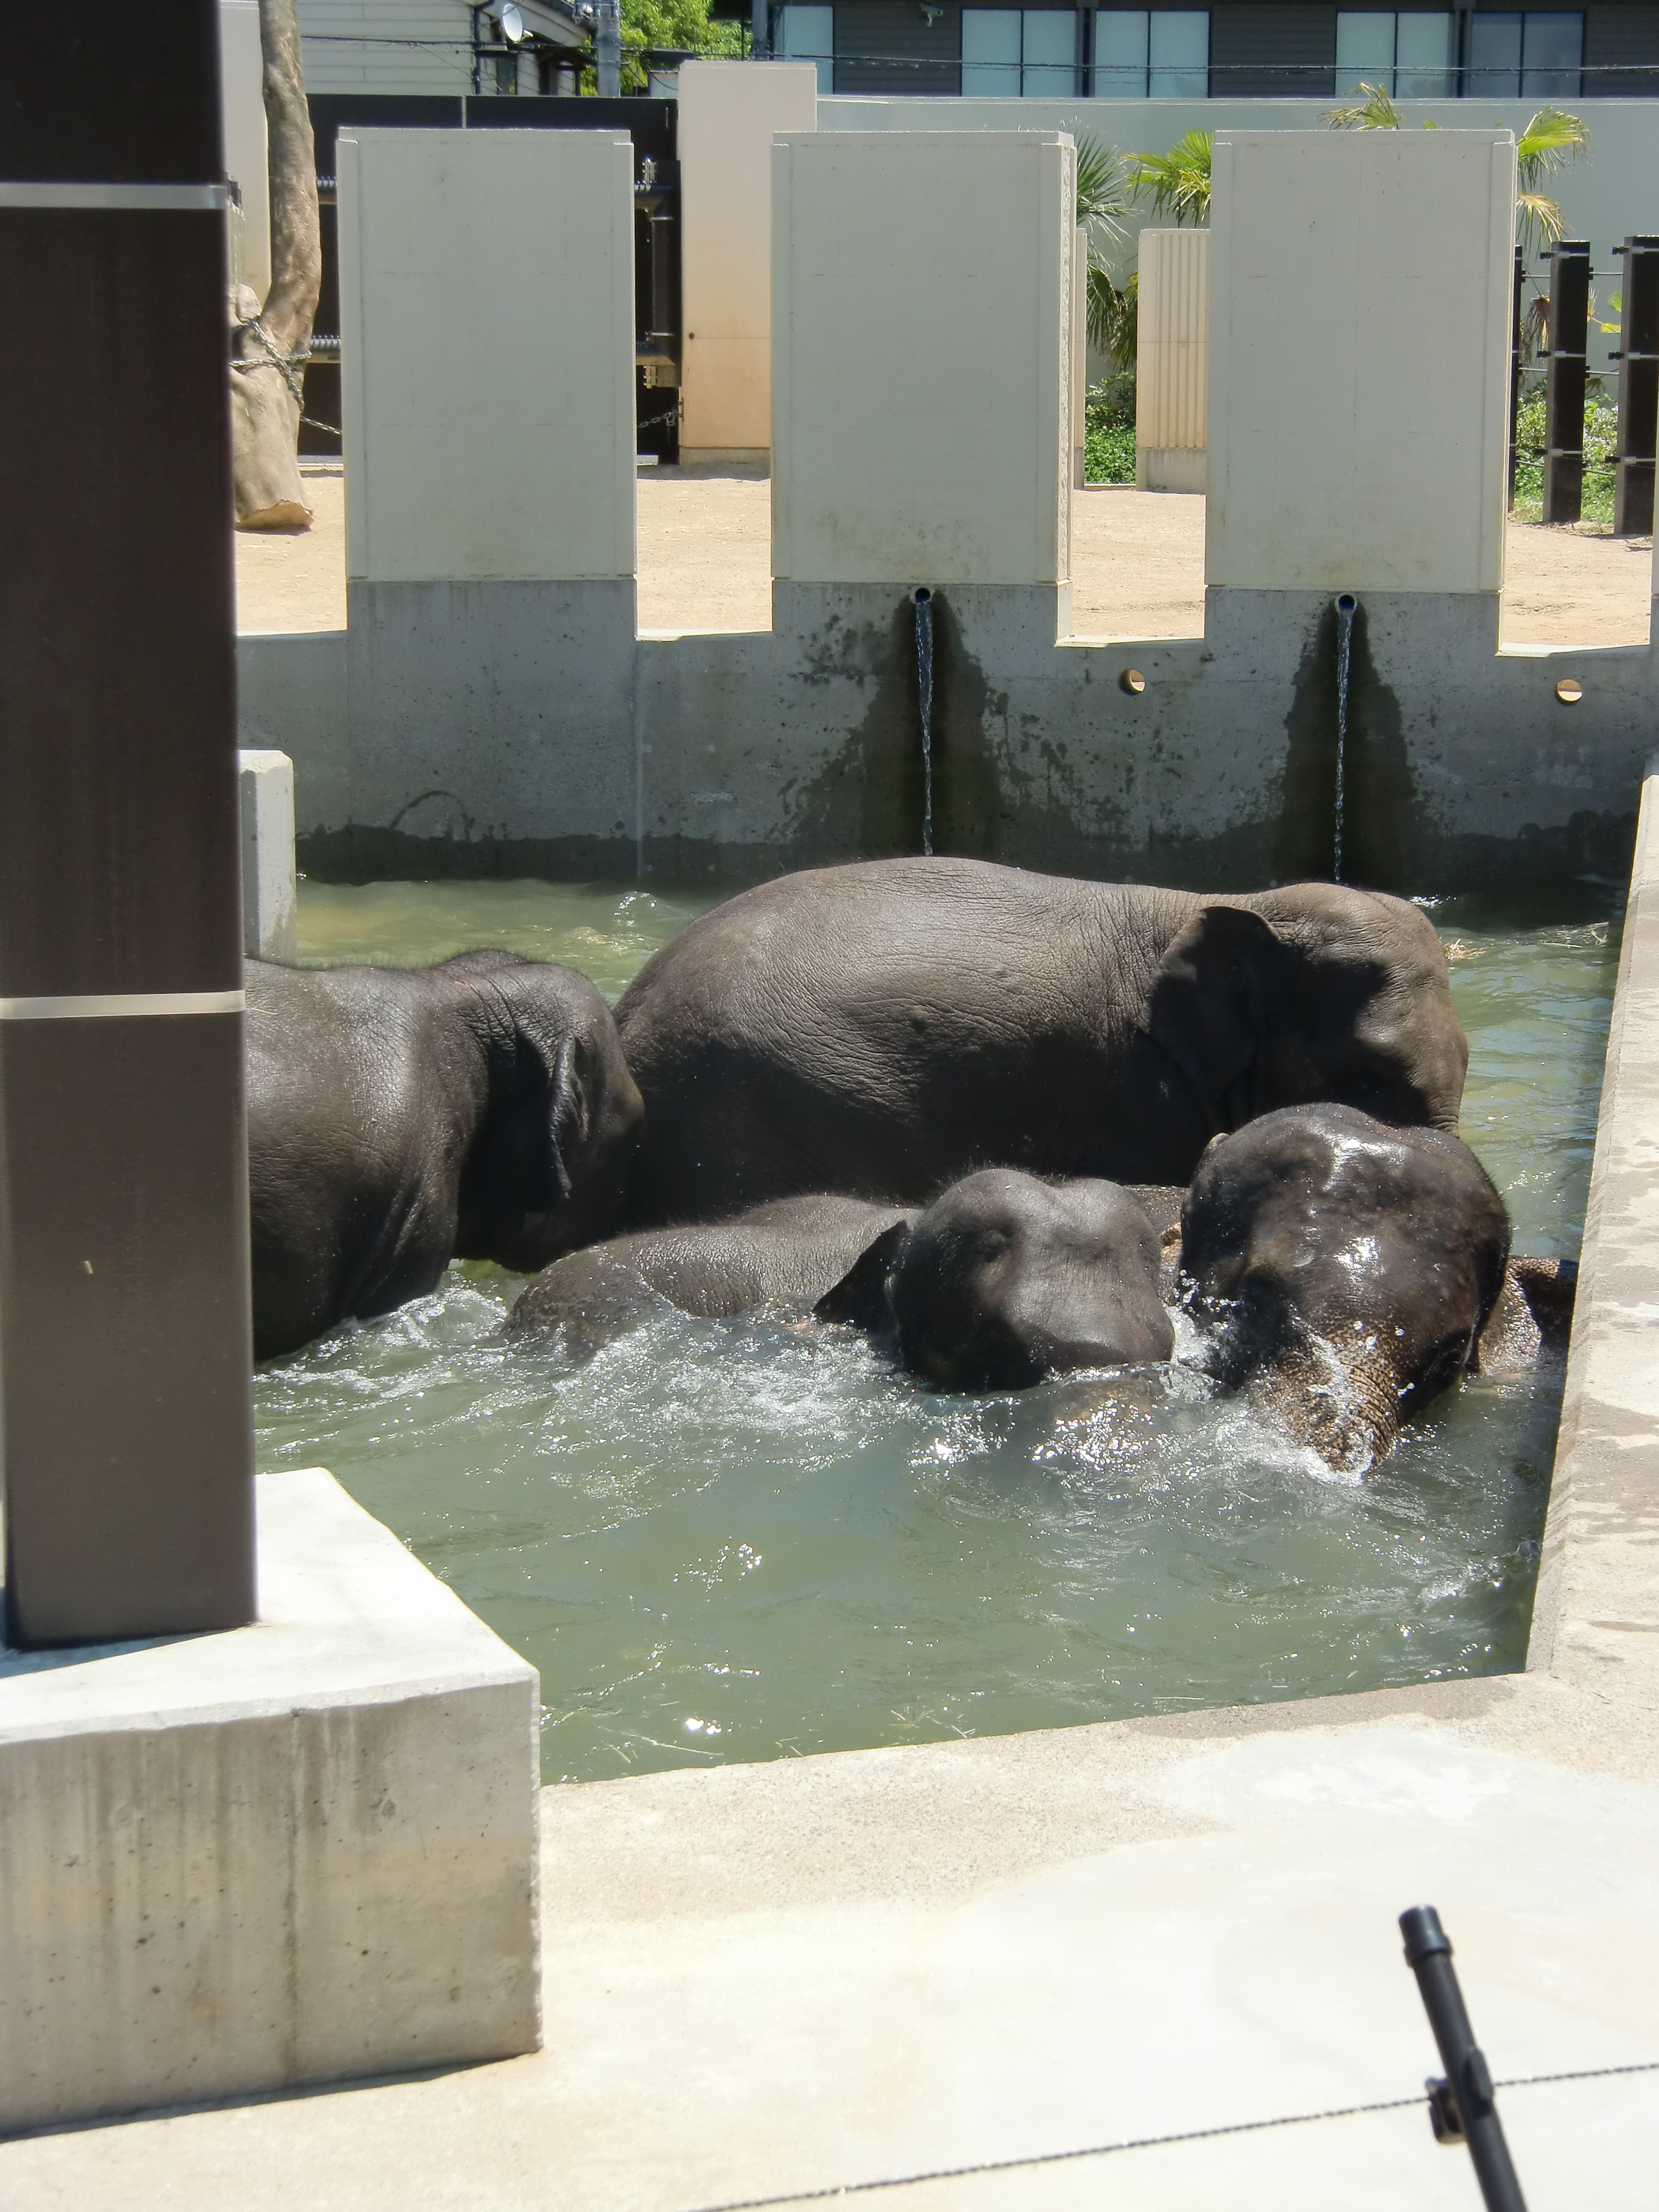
[1515, 361]
[1564, 382]
[124, 1425]
[1464, 2106]
[1638, 389]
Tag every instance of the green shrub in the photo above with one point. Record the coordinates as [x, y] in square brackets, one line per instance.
[1109, 430]
[1600, 441]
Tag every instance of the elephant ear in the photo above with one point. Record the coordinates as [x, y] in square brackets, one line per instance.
[1210, 999]
[533, 1127]
[860, 1297]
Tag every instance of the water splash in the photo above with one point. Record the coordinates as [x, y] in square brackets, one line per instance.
[922, 599]
[1344, 614]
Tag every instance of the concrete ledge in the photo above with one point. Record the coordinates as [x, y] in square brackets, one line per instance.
[1172, 468]
[294, 1852]
[1596, 1617]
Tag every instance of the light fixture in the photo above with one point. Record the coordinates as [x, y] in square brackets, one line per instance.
[1133, 682]
[1569, 690]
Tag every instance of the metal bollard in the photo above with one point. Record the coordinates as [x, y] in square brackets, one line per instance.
[1565, 380]
[1462, 2107]
[1638, 389]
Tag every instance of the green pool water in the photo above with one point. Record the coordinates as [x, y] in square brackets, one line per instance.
[745, 1540]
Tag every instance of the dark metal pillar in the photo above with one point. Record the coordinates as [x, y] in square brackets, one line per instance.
[126, 1436]
[1638, 389]
[1515, 363]
[1564, 380]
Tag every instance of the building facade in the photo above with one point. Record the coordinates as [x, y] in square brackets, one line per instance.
[1248, 49]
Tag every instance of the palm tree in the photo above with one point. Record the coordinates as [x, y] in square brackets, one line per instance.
[1104, 193]
[1178, 181]
[1553, 140]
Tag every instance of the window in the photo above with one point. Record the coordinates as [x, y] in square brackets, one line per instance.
[1411, 55]
[1538, 55]
[1162, 53]
[1010, 52]
[807, 34]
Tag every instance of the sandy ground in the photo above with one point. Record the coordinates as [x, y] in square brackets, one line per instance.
[1137, 561]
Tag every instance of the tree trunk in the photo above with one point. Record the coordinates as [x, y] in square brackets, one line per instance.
[267, 347]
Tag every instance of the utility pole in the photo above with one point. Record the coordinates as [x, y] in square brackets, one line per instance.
[607, 49]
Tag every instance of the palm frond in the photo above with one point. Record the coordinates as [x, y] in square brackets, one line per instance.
[1112, 317]
[1538, 223]
[1103, 191]
[1178, 182]
[1376, 112]
[1553, 140]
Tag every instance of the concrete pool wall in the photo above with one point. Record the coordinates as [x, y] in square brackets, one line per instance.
[491, 708]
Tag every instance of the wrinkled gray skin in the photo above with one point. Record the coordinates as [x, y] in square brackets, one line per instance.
[788, 1253]
[1004, 1279]
[1000, 1280]
[886, 1028]
[1345, 1271]
[398, 1119]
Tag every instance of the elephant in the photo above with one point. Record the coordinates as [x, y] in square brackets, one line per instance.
[1345, 1271]
[1003, 1278]
[398, 1119]
[886, 1027]
[788, 1252]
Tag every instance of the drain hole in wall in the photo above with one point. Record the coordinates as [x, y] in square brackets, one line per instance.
[1569, 690]
[1132, 680]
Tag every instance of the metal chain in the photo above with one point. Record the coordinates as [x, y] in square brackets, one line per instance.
[286, 362]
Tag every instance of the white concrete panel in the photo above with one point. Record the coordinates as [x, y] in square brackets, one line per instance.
[1360, 336]
[487, 320]
[269, 895]
[247, 161]
[729, 113]
[922, 367]
[296, 1851]
[1613, 189]
[1172, 378]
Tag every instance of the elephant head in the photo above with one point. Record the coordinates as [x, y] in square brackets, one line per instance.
[1310, 993]
[559, 1115]
[1345, 1270]
[1004, 1279]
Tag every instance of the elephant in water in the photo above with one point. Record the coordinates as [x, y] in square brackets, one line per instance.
[398, 1119]
[1002, 1280]
[885, 1027]
[1345, 1273]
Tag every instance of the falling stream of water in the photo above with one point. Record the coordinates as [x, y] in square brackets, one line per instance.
[1345, 610]
[922, 600]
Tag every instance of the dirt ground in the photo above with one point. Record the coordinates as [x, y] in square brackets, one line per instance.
[1137, 564]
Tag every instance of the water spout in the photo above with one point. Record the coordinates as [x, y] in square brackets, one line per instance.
[922, 599]
[1344, 614]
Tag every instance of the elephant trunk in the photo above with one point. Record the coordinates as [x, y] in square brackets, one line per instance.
[1343, 1404]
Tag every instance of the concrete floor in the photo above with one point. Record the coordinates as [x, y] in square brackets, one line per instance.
[1137, 564]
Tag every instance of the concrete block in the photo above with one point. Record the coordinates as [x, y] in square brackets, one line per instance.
[728, 114]
[298, 1851]
[922, 374]
[487, 321]
[269, 917]
[1359, 343]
